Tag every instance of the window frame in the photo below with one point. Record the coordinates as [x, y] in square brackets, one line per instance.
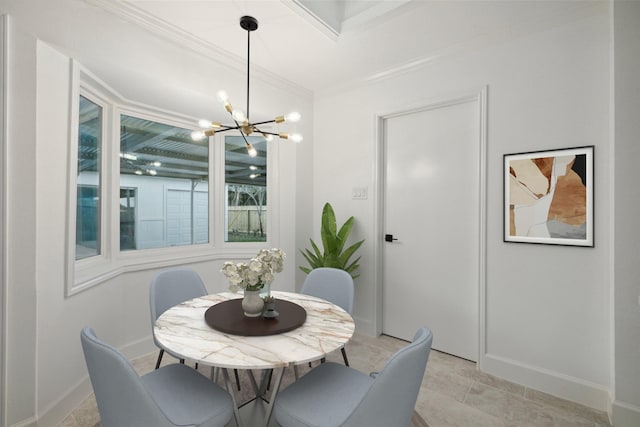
[166, 118]
[86, 273]
[221, 196]
[94, 93]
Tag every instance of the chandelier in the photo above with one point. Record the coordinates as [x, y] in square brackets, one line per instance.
[241, 120]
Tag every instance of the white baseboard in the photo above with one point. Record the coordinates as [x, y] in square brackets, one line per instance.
[29, 422]
[563, 386]
[625, 414]
[60, 409]
[139, 348]
[365, 327]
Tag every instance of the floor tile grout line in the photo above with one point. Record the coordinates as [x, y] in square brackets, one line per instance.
[466, 394]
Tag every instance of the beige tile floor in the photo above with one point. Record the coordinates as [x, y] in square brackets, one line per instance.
[453, 393]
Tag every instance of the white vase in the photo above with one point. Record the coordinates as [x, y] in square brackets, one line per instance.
[252, 304]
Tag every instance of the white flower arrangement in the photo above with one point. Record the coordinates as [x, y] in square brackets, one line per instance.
[252, 276]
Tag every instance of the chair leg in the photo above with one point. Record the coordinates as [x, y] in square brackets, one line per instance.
[296, 374]
[159, 359]
[235, 372]
[344, 356]
[269, 381]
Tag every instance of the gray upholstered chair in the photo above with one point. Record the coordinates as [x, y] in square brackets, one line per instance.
[333, 285]
[174, 395]
[169, 288]
[333, 395]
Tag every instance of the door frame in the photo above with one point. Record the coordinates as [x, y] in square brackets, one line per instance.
[4, 42]
[479, 96]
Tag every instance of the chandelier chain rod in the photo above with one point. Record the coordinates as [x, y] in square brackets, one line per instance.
[248, 68]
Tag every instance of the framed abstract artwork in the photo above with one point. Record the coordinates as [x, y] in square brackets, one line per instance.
[548, 197]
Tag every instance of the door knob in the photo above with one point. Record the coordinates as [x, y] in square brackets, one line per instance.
[389, 238]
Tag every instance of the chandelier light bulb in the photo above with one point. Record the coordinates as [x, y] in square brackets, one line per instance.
[295, 137]
[293, 117]
[152, 172]
[138, 172]
[238, 116]
[253, 168]
[156, 164]
[197, 135]
[223, 96]
[252, 151]
[205, 124]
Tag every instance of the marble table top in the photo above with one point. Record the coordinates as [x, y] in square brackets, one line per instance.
[182, 330]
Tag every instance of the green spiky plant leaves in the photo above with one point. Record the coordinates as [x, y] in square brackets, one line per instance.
[333, 242]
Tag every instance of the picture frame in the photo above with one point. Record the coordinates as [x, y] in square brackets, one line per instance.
[548, 197]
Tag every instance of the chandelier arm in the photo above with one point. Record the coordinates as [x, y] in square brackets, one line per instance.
[263, 123]
[265, 132]
[223, 128]
[241, 132]
[244, 137]
[226, 128]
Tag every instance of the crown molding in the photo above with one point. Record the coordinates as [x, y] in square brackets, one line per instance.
[535, 24]
[182, 38]
[316, 21]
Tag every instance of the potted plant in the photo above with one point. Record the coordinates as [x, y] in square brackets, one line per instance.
[333, 243]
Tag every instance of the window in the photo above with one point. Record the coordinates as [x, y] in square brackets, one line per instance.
[246, 190]
[142, 196]
[127, 218]
[164, 185]
[88, 210]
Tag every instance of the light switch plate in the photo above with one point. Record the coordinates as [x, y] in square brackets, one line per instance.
[359, 193]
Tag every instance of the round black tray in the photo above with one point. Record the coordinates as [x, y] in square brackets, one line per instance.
[229, 318]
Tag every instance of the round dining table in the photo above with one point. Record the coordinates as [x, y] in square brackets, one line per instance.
[184, 331]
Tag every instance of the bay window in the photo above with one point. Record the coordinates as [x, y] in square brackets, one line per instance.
[143, 194]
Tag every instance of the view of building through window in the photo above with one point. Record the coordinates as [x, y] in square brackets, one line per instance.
[246, 190]
[164, 186]
[88, 179]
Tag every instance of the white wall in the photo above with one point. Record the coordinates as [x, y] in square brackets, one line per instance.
[626, 406]
[3, 99]
[46, 374]
[20, 302]
[547, 307]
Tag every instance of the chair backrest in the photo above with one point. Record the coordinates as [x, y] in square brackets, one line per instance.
[171, 287]
[122, 398]
[392, 397]
[331, 284]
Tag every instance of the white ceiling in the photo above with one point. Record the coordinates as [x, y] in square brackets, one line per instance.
[324, 44]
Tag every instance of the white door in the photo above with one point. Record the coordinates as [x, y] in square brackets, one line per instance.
[431, 206]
